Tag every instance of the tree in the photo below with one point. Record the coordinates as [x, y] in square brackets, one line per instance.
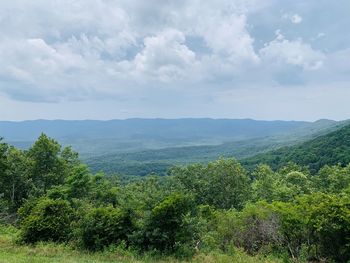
[328, 218]
[228, 185]
[16, 184]
[292, 227]
[3, 181]
[48, 168]
[222, 184]
[332, 179]
[79, 182]
[265, 184]
[3, 157]
[291, 185]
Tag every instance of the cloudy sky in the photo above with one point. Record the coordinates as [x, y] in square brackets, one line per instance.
[105, 59]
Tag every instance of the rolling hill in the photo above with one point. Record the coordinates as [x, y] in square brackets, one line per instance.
[93, 138]
[159, 160]
[329, 149]
[143, 146]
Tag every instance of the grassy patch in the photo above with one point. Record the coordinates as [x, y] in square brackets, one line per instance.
[10, 252]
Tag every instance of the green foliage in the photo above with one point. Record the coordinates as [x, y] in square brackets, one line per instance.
[288, 212]
[329, 149]
[47, 167]
[49, 164]
[167, 227]
[264, 186]
[222, 184]
[105, 226]
[79, 182]
[333, 179]
[47, 220]
[3, 161]
[14, 181]
[328, 218]
[254, 229]
[292, 227]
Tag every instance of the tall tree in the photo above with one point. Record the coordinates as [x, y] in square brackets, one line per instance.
[47, 166]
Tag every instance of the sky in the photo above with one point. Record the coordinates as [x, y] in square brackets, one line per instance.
[117, 59]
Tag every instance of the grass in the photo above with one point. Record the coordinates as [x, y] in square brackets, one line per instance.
[52, 253]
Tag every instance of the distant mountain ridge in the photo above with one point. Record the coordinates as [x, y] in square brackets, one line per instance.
[93, 138]
[142, 146]
[159, 160]
[145, 128]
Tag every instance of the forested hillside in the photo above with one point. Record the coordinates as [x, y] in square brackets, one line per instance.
[160, 160]
[329, 149]
[143, 146]
[215, 212]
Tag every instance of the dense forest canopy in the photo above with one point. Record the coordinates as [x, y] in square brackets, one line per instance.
[330, 149]
[315, 152]
[291, 212]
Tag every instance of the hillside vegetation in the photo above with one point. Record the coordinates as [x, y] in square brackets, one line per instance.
[54, 209]
[160, 160]
[330, 149]
[10, 252]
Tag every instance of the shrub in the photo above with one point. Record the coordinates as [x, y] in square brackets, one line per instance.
[48, 220]
[105, 226]
[168, 227]
[328, 218]
[254, 228]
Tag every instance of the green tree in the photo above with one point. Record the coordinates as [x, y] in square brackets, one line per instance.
[222, 184]
[332, 179]
[79, 183]
[291, 185]
[265, 183]
[47, 167]
[292, 227]
[15, 182]
[3, 181]
[3, 157]
[328, 218]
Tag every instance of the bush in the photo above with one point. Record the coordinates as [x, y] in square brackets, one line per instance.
[328, 218]
[253, 229]
[105, 226]
[168, 227]
[48, 220]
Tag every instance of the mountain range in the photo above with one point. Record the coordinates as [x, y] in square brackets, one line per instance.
[143, 146]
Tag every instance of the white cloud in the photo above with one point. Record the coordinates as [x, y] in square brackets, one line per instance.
[296, 52]
[74, 50]
[146, 53]
[165, 56]
[230, 39]
[294, 18]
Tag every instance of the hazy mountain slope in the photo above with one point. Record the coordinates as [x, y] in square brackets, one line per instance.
[143, 162]
[145, 128]
[331, 148]
[141, 146]
[101, 137]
